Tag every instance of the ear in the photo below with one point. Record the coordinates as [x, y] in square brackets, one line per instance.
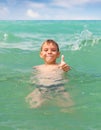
[58, 55]
[41, 55]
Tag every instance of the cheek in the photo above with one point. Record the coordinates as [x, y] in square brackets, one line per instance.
[58, 55]
[42, 54]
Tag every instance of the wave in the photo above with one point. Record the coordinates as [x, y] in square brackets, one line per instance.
[21, 41]
[30, 41]
[83, 40]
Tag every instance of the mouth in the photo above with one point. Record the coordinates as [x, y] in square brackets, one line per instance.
[49, 56]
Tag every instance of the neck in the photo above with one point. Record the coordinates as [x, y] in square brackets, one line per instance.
[51, 63]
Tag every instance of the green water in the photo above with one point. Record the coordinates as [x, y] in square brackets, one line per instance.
[80, 42]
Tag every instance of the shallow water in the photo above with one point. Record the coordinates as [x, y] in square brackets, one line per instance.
[19, 50]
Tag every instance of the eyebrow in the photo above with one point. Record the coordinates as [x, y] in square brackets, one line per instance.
[51, 48]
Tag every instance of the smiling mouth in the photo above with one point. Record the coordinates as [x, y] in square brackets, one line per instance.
[50, 56]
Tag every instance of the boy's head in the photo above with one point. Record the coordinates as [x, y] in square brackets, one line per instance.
[49, 51]
[49, 41]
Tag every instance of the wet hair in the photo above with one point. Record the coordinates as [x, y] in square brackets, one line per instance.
[50, 41]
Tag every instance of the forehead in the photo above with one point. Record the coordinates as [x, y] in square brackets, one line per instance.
[49, 45]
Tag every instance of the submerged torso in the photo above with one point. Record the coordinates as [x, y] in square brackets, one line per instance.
[48, 75]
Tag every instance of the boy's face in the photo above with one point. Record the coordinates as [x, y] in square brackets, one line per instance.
[49, 53]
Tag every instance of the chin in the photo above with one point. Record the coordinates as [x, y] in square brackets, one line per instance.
[50, 62]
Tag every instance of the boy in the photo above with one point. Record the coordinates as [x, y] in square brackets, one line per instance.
[49, 53]
[49, 76]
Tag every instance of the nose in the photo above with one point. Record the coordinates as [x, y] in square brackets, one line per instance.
[49, 51]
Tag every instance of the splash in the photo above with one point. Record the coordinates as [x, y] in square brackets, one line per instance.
[84, 39]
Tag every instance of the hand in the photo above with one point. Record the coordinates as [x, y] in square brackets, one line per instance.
[63, 64]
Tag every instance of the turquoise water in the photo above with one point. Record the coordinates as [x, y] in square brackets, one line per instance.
[80, 42]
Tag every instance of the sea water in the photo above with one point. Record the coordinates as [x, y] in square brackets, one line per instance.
[80, 43]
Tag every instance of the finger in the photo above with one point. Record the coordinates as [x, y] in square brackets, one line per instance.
[62, 59]
[66, 67]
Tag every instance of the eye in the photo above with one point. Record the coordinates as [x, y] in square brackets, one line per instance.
[53, 50]
[45, 49]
